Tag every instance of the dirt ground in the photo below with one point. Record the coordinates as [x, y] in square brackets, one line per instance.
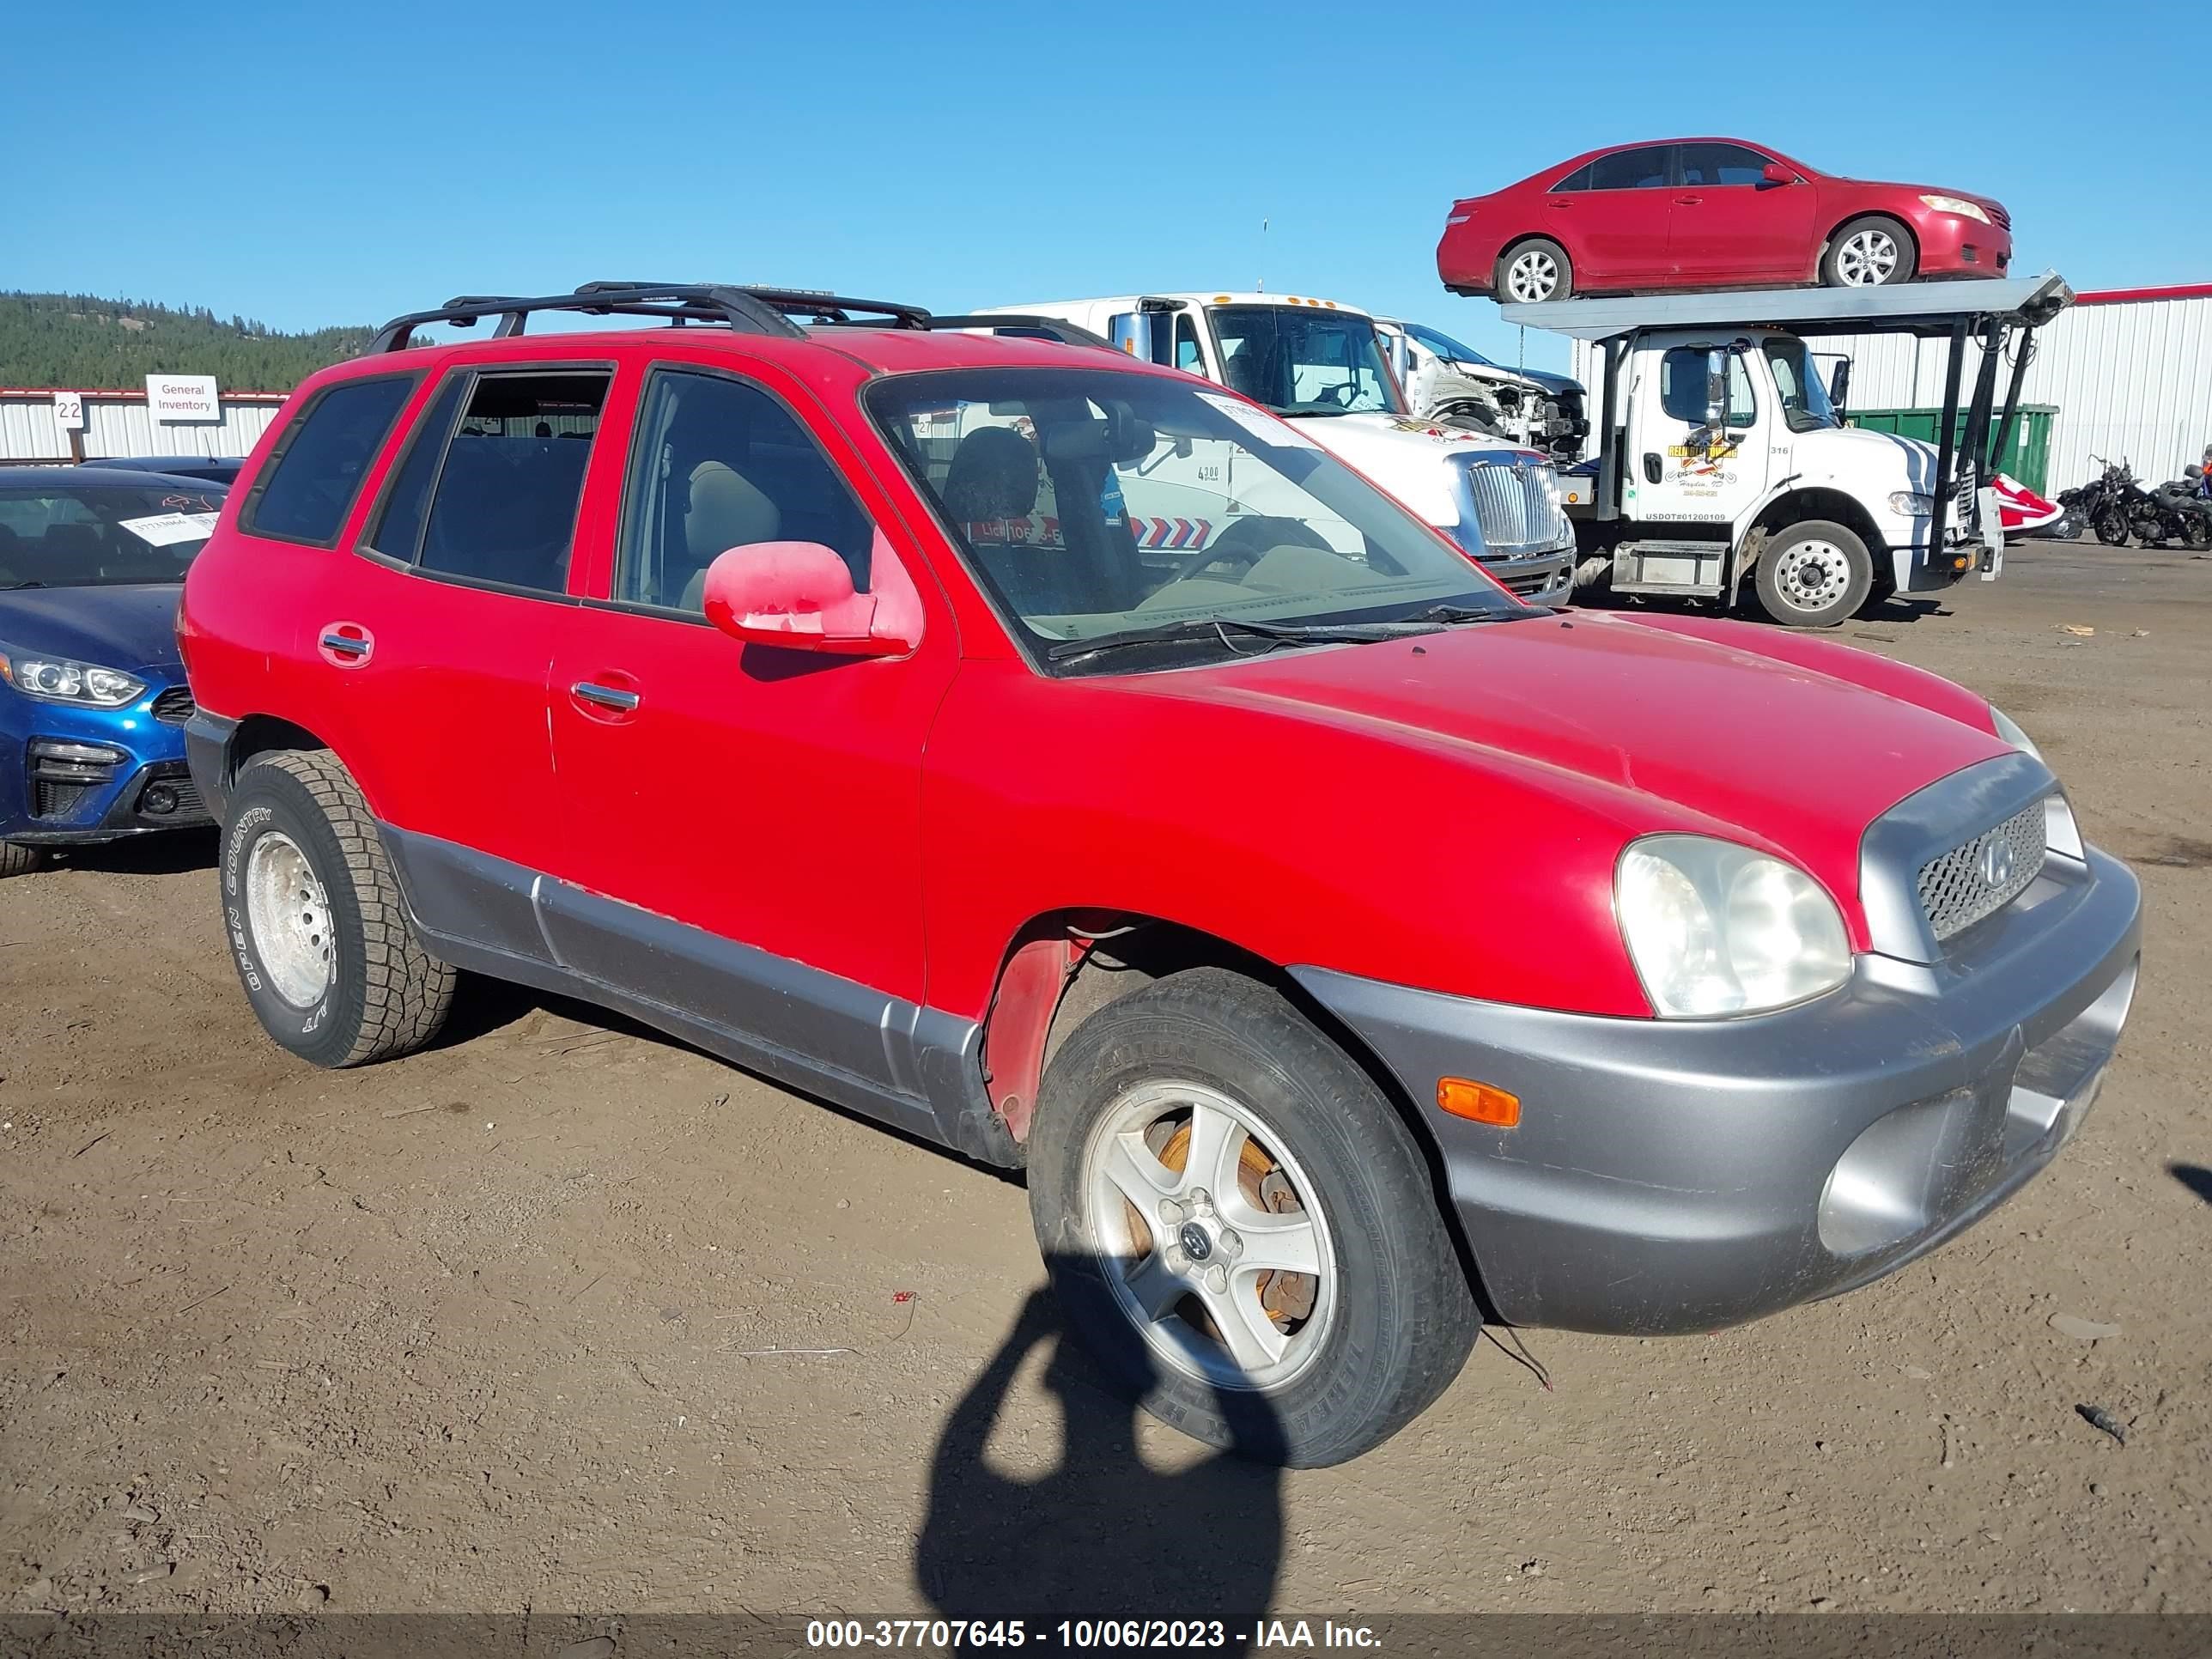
[561, 1315]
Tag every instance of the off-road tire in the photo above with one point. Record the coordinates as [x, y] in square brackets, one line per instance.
[1777, 561]
[1563, 288]
[1908, 253]
[386, 996]
[1406, 1316]
[17, 859]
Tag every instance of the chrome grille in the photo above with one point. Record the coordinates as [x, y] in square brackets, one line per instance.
[1515, 507]
[174, 707]
[1979, 878]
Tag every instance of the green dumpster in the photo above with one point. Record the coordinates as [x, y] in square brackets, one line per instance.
[2030, 458]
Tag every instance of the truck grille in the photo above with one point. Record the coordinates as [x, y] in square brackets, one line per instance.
[174, 707]
[1515, 507]
[1979, 878]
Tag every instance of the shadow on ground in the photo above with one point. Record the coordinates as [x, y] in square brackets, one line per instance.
[2195, 1177]
[1101, 1536]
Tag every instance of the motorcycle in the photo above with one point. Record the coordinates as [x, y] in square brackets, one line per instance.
[2183, 512]
[2110, 503]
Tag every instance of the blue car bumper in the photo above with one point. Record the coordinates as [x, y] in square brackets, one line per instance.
[72, 775]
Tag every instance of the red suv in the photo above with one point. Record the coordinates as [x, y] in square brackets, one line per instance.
[1710, 213]
[1343, 945]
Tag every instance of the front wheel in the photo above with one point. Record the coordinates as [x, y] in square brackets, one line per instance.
[2112, 528]
[1814, 575]
[1869, 252]
[17, 859]
[1241, 1227]
[315, 921]
[1531, 272]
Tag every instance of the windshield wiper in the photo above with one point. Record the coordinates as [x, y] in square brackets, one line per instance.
[1462, 613]
[1198, 628]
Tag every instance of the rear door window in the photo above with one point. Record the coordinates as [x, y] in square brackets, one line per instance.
[308, 486]
[502, 510]
[1630, 169]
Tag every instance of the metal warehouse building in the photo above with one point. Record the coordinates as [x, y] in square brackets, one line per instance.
[122, 423]
[2126, 372]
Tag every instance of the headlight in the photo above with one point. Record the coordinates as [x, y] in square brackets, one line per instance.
[1714, 928]
[1912, 506]
[57, 680]
[1958, 204]
[2060, 832]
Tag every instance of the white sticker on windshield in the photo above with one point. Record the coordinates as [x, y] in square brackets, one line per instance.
[1279, 434]
[163, 528]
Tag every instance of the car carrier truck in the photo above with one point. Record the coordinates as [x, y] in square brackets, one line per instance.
[1722, 456]
[1322, 366]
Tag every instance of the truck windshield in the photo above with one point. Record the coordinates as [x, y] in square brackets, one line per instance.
[1299, 361]
[1104, 504]
[1797, 384]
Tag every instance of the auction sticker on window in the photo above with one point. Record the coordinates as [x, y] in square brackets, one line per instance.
[1266, 427]
[162, 529]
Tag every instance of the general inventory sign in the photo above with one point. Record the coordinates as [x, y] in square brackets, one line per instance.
[177, 398]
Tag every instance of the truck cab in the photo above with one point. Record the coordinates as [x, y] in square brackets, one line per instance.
[1322, 365]
[1723, 457]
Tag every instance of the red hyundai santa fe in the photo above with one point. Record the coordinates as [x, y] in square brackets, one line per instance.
[1347, 952]
[1710, 213]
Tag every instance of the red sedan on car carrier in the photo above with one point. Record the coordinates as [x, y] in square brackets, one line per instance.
[802, 691]
[1710, 213]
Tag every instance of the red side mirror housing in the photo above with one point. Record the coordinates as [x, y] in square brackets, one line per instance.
[799, 596]
[1775, 174]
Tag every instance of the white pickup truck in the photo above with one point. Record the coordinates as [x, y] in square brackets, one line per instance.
[1723, 459]
[1322, 365]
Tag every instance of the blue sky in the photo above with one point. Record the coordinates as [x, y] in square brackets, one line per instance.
[327, 162]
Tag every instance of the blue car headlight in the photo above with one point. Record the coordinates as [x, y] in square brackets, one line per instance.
[60, 679]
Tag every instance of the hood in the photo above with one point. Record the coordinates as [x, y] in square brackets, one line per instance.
[1554, 384]
[1682, 724]
[130, 626]
[1410, 458]
[1859, 451]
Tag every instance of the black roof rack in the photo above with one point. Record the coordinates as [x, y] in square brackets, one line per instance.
[766, 311]
[1051, 327]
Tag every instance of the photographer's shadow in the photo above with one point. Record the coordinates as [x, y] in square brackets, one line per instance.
[1101, 1536]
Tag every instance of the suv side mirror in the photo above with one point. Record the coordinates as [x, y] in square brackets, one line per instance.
[799, 595]
[1775, 174]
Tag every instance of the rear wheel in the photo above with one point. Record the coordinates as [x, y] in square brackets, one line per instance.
[1240, 1225]
[16, 860]
[1814, 575]
[315, 921]
[1869, 252]
[1533, 271]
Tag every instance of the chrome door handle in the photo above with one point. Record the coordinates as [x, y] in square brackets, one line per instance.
[345, 645]
[607, 696]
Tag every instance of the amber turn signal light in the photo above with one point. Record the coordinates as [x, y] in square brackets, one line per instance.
[1464, 1097]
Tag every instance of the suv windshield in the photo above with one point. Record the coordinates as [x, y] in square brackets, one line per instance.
[99, 535]
[1097, 503]
[1444, 346]
[1305, 362]
[1797, 382]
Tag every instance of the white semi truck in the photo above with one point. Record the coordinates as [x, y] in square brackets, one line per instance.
[1321, 365]
[1722, 456]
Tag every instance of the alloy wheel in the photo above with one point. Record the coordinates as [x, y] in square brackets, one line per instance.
[1532, 276]
[1867, 259]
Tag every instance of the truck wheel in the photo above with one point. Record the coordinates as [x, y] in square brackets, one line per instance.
[1241, 1227]
[1813, 574]
[1533, 270]
[17, 859]
[315, 921]
[2112, 528]
[1871, 251]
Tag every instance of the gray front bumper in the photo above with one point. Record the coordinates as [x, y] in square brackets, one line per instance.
[1679, 1175]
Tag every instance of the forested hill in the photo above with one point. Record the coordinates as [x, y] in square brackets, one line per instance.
[78, 342]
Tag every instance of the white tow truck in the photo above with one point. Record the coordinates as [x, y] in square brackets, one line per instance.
[1321, 365]
[1722, 456]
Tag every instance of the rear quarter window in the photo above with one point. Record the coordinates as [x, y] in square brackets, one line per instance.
[304, 492]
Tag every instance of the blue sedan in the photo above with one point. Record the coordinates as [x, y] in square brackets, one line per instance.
[93, 699]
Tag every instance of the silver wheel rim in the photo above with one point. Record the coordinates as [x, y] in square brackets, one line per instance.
[1813, 575]
[1532, 276]
[1867, 259]
[290, 916]
[1227, 1273]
